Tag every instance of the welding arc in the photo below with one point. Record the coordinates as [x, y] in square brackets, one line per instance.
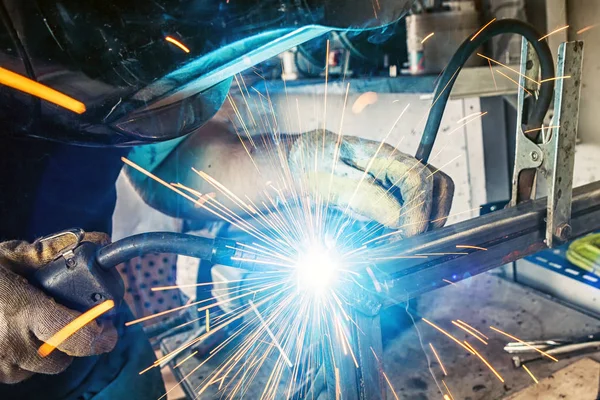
[467, 48]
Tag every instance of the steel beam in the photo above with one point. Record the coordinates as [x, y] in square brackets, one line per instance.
[508, 235]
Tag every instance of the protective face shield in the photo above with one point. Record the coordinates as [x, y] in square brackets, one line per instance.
[149, 71]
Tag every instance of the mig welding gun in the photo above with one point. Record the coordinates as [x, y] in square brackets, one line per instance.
[83, 275]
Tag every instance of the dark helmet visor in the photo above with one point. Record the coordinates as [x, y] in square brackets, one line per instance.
[137, 64]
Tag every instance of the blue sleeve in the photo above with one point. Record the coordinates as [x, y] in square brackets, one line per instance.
[150, 156]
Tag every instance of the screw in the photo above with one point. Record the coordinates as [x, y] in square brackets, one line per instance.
[70, 262]
[535, 156]
[96, 297]
[563, 232]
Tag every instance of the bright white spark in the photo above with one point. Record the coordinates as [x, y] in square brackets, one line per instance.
[317, 267]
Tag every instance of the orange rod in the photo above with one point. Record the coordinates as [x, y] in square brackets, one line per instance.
[74, 326]
[177, 43]
[36, 89]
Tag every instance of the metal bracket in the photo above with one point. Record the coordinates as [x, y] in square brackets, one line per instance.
[553, 158]
[560, 150]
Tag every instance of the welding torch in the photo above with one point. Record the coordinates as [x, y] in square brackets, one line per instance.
[84, 275]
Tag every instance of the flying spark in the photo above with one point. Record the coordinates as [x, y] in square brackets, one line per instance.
[177, 43]
[470, 332]
[476, 114]
[180, 363]
[23, 84]
[74, 326]
[427, 37]
[556, 78]
[530, 374]
[500, 378]
[448, 335]
[437, 357]
[482, 29]
[513, 81]
[587, 28]
[542, 128]
[285, 357]
[553, 32]
[385, 375]
[467, 122]
[448, 390]
[509, 68]
[466, 246]
[493, 76]
[472, 328]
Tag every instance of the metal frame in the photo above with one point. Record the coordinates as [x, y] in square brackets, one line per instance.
[366, 382]
[507, 235]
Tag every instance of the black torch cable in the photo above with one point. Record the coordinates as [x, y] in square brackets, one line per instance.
[217, 250]
[155, 242]
[467, 48]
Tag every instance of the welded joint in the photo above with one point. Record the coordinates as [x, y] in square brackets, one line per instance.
[361, 299]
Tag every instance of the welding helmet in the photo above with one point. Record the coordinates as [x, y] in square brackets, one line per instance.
[150, 71]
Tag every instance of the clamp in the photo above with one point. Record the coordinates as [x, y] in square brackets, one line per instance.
[553, 158]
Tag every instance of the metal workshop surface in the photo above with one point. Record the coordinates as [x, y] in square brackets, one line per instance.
[481, 301]
[196, 371]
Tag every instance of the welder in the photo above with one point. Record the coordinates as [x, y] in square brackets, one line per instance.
[58, 166]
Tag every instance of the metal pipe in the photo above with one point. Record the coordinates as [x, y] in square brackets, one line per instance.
[508, 235]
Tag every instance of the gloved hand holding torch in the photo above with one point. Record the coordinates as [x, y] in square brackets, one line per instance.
[28, 317]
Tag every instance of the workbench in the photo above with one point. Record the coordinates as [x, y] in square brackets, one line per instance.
[481, 301]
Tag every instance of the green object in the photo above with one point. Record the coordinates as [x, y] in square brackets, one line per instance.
[585, 253]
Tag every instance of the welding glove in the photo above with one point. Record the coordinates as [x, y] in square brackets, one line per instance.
[28, 317]
[373, 180]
